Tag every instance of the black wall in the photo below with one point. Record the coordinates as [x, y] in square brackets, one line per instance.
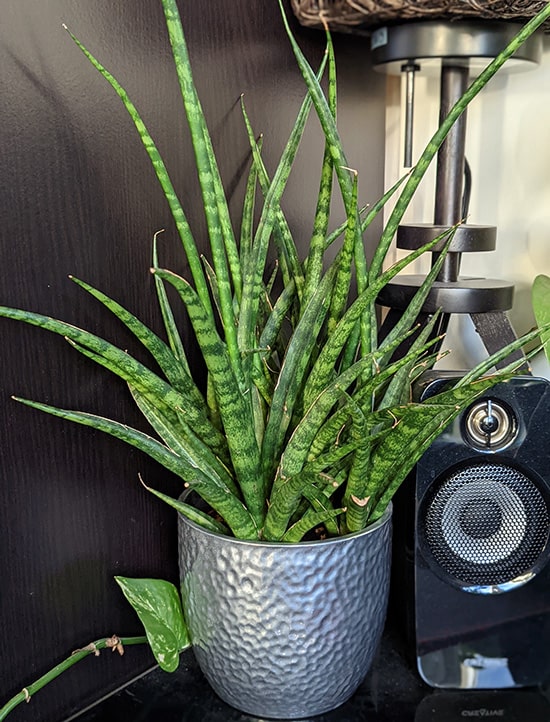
[78, 196]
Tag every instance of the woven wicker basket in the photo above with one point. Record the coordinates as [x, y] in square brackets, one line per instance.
[347, 15]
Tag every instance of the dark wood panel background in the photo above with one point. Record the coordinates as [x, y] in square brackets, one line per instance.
[78, 197]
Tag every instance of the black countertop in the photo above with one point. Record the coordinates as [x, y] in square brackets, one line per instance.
[392, 692]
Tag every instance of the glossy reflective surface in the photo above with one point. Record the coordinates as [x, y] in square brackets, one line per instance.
[481, 566]
[392, 692]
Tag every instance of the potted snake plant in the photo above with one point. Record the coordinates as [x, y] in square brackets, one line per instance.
[290, 453]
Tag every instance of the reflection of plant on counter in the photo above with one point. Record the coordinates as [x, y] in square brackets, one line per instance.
[305, 421]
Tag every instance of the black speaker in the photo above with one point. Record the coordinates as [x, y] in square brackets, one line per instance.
[480, 553]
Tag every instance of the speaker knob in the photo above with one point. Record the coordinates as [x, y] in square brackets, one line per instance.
[490, 425]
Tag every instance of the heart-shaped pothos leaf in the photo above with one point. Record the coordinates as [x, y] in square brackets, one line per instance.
[158, 606]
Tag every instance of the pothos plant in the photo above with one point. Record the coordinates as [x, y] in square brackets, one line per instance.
[307, 420]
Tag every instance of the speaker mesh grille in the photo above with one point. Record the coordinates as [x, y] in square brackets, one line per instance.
[486, 524]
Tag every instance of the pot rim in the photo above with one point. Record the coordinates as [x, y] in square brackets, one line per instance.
[386, 516]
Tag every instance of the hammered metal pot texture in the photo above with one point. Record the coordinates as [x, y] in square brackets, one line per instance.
[285, 630]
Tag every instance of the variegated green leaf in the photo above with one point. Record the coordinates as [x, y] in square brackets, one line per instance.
[158, 606]
[225, 255]
[234, 407]
[162, 175]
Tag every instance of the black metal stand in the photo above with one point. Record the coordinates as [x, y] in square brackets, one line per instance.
[455, 48]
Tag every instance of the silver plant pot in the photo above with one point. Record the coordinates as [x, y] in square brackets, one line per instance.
[285, 630]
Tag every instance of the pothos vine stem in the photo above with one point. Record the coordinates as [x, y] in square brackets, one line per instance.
[114, 643]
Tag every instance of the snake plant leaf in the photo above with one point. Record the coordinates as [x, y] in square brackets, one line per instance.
[487, 364]
[158, 606]
[169, 364]
[325, 364]
[163, 177]
[398, 390]
[253, 279]
[159, 400]
[172, 331]
[180, 439]
[261, 375]
[325, 115]
[283, 503]
[411, 436]
[314, 267]
[309, 521]
[288, 255]
[225, 256]
[356, 498]
[279, 312]
[190, 512]
[297, 448]
[330, 462]
[233, 406]
[293, 370]
[134, 437]
[541, 308]
[320, 500]
[127, 368]
[341, 168]
[315, 431]
[247, 216]
[217, 495]
[344, 267]
[410, 313]
[213, 283]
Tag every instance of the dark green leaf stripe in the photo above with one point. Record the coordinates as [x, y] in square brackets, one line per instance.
[324, 367]
[288, 255]
[169, 363]
[233, 406]
[253, 281]
[225, 503]
[309, 521]
[291, 375]
[180, 439]
[127, 368]
[222, 241]
[191, 512]
[172, 331]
